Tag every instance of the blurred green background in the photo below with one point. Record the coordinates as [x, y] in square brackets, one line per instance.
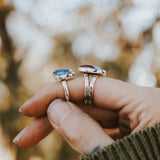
[37, 37]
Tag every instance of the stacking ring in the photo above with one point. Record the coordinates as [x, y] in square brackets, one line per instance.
[63, 75]
[89, 87]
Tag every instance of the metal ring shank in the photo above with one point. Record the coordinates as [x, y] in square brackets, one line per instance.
[66, 91]
[86, 92]
[91, 88]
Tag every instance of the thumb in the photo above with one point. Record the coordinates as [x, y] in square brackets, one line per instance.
[80, 131]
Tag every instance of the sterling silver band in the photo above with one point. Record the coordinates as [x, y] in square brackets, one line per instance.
[86, 92]
[66, 91]
[91, 88]
[94, 71]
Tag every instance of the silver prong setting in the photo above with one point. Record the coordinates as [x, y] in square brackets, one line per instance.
[63, 75]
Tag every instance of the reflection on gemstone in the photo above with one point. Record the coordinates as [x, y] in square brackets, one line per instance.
[61, 72]
[90, 66]
[91, 69]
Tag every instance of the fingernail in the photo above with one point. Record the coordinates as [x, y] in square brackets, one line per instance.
[19, 136]
[58, 111]
[23, 106]
[20, 109]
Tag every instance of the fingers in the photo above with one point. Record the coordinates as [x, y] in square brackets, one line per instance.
[124, 125]
[107, 118]
[34, 133]
[38, 104]
[71, 123]
[114, 133]
[109, 93]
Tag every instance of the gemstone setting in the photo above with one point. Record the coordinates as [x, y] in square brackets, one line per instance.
[91, 69]
[63, 74]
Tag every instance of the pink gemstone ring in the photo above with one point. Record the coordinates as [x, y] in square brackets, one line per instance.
[63, 75]
[89, 86]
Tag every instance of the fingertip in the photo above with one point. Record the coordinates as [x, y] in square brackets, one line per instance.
[21, 141]
[20, 110]
[24, 145]
[38, 129]
[57, 111]
[25, 109]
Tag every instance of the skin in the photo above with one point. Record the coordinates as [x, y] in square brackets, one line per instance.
[116, 105]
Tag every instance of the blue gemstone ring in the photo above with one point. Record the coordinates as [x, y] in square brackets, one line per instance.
[63, 75]
[89, 86]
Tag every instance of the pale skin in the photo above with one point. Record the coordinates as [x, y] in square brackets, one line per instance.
[116, 105]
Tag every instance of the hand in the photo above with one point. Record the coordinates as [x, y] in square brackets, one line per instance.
[116, 104]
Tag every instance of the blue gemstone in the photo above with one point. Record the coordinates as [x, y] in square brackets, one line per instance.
[61, 72]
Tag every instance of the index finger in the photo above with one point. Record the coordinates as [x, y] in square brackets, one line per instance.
[108, 93]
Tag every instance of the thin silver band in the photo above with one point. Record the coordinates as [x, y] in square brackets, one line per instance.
[66, 91]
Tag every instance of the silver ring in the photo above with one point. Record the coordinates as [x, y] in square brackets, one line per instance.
[63, 75]
[89, 86]
[92, 87]
[86, 92]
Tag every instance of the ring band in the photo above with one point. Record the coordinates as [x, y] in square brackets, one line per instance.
[92, 87]
[89, 86]
[66, 91]
[63, 75]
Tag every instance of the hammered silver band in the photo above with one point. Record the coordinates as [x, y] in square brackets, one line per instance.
[89, 85]
[89, 88]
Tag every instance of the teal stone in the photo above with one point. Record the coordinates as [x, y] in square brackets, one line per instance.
[61, 72]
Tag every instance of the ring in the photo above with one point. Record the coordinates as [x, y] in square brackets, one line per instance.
[63, 75]
[89, 86]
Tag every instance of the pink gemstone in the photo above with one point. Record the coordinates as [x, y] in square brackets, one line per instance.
[90, 66]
